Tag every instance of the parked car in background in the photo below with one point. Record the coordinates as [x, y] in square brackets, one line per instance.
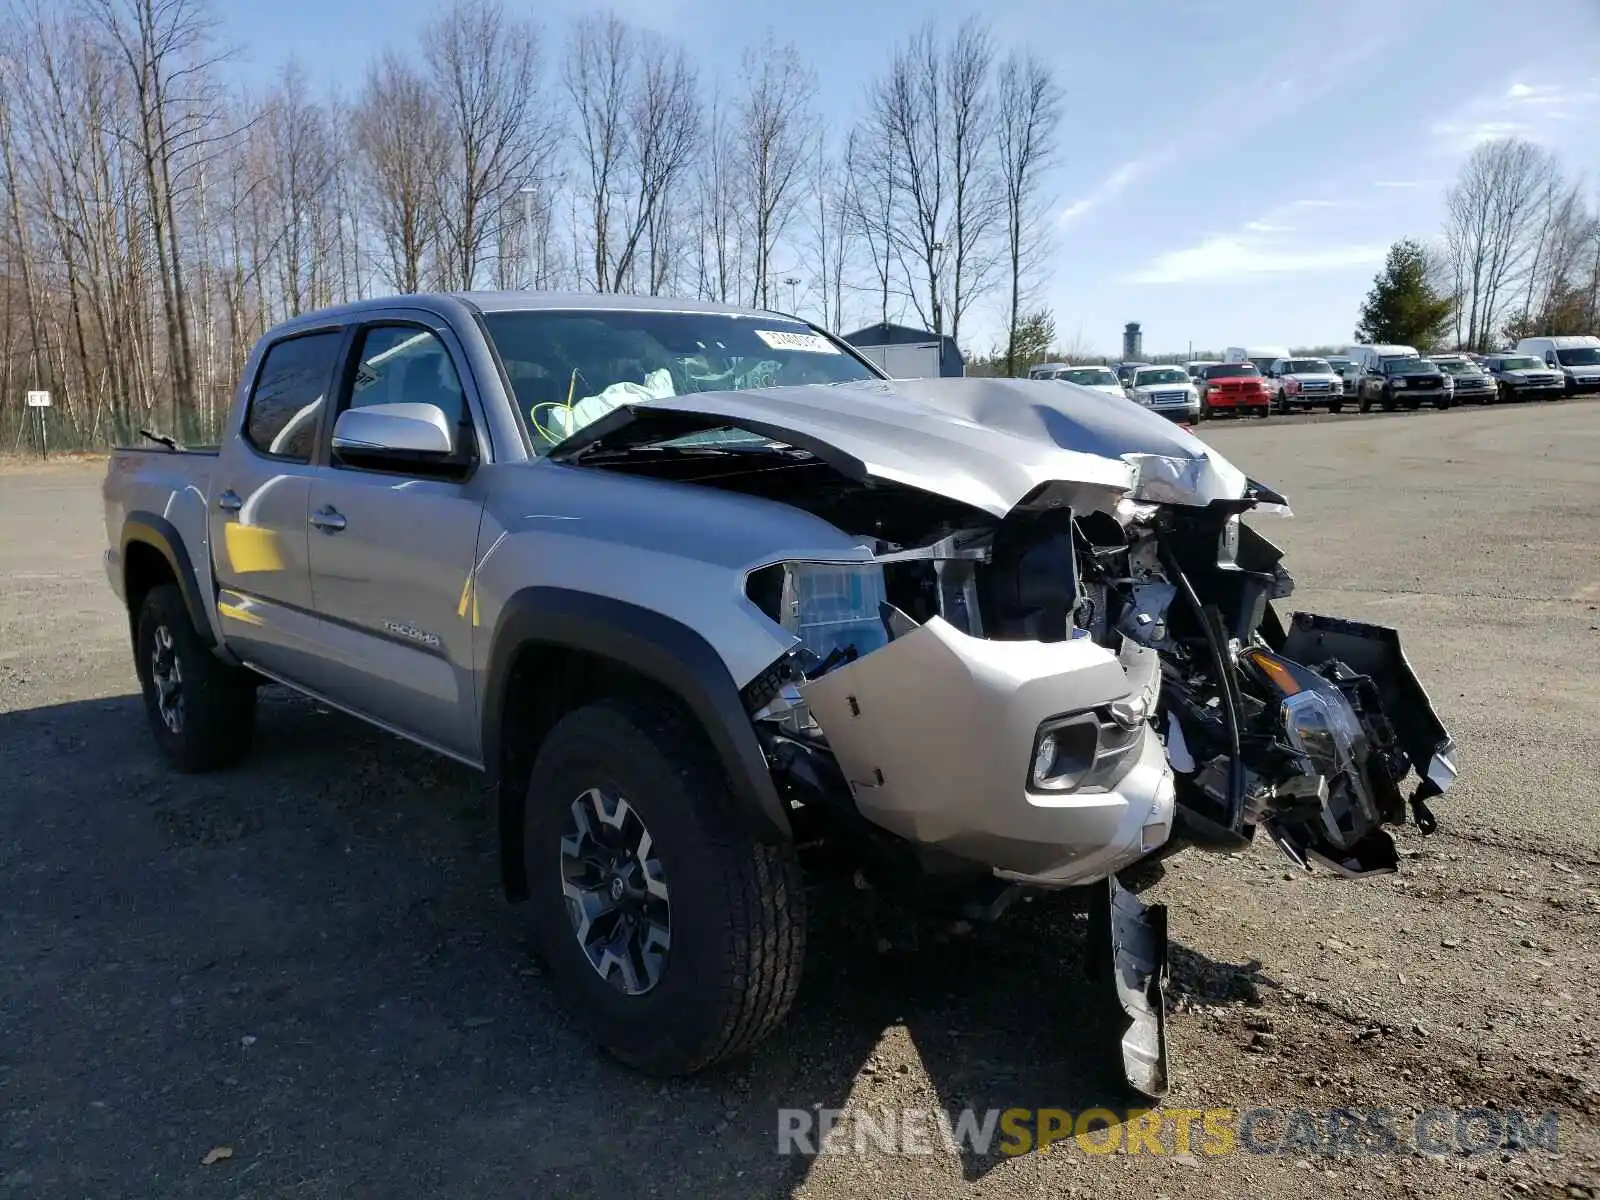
[1166, 390]
[1577, 357]
[1262, 356]
[1197, 370]
[1367, 361]
[1524, 377]
[1099, 379]
[1051, 370]
[1472, 381]
[1236, 387]
[1339, 362]
[1125, 371]
[1406, 381]
[1305, 383]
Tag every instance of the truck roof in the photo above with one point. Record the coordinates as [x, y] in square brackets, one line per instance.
[445, 302]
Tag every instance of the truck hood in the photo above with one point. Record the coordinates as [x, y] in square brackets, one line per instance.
[987, 443]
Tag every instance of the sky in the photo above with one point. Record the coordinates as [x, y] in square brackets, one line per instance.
[1231, 171]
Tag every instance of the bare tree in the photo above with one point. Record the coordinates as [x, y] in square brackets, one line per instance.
[935, 110]
[164, 46]
[718, 219]
[870, 167]
[638, 123]
[1029, 113]
[1491, 214]
[776, 129]
[402, 139]
[831, 221]
[484, 65]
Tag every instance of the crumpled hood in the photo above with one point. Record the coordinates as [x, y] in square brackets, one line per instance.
[985, 442]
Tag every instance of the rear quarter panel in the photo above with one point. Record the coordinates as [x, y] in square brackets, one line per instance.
[172, 486]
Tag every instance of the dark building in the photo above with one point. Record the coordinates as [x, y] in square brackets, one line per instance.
[907, 353]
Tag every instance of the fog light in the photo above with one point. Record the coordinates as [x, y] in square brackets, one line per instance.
[1044, 758]
[1064, 753]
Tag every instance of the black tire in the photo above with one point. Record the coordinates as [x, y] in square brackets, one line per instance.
[1386, 400]
[1264, 411]
[1282, 405]
[209, 721]
[1443, 405]
[737, 920]
[1335, 405]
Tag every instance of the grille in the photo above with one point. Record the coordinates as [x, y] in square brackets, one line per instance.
[1168, 397]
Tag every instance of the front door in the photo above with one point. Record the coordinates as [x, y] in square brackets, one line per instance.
[391, 552]
[260, 490]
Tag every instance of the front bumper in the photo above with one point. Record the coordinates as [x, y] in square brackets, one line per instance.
[1578, 385]
[935, 734]
[1253, 400]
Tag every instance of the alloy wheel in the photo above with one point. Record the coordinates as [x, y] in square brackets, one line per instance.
[616, 892]
[166, 674]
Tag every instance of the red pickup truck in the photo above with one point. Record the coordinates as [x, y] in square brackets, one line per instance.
[1234, 387]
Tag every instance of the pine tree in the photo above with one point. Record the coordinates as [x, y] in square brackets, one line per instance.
[1403, 307]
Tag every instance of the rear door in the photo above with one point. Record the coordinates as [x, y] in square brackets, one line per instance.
[259, 496]
[391, 550]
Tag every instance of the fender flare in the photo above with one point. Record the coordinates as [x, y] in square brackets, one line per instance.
[148, 529]
[658, 648]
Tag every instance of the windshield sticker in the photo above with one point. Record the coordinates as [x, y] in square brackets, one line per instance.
[806, 343]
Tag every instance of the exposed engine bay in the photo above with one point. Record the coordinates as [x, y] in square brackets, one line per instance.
[1045, 683]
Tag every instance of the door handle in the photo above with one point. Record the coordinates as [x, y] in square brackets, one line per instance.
[328, 519]
[230, 501]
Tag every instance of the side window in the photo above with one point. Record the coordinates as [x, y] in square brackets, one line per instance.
[291, 387]
[404, 364]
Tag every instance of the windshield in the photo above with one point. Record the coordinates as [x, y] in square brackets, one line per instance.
[1307, 366]
[1239, 370]
[1583, 356]
[1409, 366]
[1159, 375]
[1520, 362]
[1264, 363]
[568, 368]
[1090, 376]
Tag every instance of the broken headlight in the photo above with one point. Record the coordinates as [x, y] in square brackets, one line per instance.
[835, 609]
[1321, 725]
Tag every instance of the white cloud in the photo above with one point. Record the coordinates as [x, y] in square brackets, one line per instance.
[1268, 245]
[1229, 258]
[1528, 110]
[1115, 184]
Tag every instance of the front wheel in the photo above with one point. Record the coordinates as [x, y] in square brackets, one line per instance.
[673, 936]
[1335, 405]
[201, 710]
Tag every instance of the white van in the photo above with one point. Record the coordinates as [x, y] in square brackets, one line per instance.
[1577, 356]
[1262, 356]
[1367, 361]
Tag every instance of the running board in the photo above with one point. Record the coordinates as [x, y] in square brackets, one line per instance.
[1130, 938]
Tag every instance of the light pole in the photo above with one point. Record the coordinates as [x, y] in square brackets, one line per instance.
[529, 193]
[793, 281]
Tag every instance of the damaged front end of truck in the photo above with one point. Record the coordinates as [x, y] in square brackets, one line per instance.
[1060, 652]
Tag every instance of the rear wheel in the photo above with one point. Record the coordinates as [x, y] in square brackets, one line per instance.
[674, 937]
[201, 710]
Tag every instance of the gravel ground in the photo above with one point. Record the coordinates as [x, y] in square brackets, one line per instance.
[306, 961]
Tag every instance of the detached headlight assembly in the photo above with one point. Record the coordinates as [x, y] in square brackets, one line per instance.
[1320, 724]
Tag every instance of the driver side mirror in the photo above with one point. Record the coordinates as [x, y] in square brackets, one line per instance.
[395, 435]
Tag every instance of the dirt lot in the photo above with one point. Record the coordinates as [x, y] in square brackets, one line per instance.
[306, 961]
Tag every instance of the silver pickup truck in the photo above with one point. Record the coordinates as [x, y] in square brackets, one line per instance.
[699, 587]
